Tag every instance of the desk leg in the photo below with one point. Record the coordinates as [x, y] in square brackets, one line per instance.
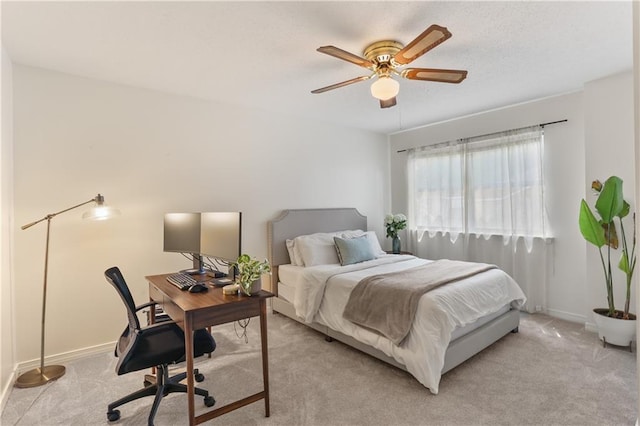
[153, 377]
[265, 355]
[188, 344]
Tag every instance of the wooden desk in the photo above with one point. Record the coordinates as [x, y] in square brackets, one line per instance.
[194, 311]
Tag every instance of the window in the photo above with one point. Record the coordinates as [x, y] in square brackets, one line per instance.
[488, 185]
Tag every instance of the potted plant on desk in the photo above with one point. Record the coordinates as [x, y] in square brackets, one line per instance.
[249, 273]
[614, 326]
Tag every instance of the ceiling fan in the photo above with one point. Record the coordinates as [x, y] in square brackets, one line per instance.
[388, 57]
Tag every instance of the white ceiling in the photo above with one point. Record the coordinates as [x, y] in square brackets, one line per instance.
[262, 54]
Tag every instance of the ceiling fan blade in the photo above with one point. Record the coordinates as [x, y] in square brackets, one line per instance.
[342, 84]
[430, 38]
[434, 74]
[388, 103]
[346, 56]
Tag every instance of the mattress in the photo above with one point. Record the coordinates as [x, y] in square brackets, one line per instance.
[319, 294]
[290, 276]
[286, 291]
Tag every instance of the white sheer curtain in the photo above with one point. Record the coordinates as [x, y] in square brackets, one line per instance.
[482, 199]
[506, 186]
[436, 188]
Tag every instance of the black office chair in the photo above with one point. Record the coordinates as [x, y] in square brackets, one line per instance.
[156, 345]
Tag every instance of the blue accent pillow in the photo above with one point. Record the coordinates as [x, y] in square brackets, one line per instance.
[353, 250]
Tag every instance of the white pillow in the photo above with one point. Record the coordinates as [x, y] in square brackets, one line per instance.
[375, 243]
[294, 253]
[373, 240]
[353, 233]
[317, 249]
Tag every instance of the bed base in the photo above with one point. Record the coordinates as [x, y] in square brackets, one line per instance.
[458, 351]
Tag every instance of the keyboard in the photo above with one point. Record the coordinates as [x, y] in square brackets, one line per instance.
[180, 280]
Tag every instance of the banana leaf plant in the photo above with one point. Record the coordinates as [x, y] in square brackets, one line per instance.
[602, 232]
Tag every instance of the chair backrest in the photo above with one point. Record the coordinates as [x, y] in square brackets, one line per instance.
[114, 276]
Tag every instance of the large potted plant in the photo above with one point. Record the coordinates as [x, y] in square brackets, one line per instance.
[614, 326]
[249, 273]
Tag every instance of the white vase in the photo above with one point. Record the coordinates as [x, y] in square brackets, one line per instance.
[614, 331]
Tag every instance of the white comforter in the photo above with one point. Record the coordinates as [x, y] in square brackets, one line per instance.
[323, 291]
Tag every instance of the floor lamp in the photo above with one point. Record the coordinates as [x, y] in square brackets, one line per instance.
[43, 374]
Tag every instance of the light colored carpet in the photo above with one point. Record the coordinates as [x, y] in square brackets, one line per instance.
[551, 373]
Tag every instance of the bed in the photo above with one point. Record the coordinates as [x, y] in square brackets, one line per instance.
[452, 322]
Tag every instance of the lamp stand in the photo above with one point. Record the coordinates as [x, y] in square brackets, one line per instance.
[44, 374]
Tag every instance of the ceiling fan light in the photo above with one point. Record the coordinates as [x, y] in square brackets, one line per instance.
[385, 88]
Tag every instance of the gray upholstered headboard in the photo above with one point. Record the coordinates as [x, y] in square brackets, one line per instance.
[292, 223]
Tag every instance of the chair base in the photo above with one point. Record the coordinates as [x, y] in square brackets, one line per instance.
[163, 386]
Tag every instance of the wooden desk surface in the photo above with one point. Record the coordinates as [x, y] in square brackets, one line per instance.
[207, 308]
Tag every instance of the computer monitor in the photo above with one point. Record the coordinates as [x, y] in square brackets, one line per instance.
[211, 234]
[221, 235]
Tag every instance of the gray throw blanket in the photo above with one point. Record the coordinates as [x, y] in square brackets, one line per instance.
[387, 303]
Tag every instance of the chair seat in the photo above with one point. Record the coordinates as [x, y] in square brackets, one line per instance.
[203, 343]
[164, 345]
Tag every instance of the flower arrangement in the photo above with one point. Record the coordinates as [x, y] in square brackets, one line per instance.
[249, 270]
[394, 223]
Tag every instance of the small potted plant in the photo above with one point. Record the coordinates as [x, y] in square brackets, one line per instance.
[394, 223]
[614, 326]
[249, 273]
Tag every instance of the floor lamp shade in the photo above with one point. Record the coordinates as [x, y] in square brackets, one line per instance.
[43, 374]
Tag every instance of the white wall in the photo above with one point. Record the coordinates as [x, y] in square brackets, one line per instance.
[569, 294]
[7, 358]
[150, 153]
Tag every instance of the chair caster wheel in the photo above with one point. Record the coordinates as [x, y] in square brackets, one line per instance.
[114, 415]
[209, 401]
[199, 377]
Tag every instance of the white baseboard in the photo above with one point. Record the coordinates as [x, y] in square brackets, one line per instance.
[588, 326]
[6, 391]
[567, 316]
[65, 357]
[591, 326]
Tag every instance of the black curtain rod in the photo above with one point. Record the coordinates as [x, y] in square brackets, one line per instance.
[488, 134]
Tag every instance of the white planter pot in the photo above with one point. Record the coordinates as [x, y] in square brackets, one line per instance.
[256, 286]
[613, 330]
